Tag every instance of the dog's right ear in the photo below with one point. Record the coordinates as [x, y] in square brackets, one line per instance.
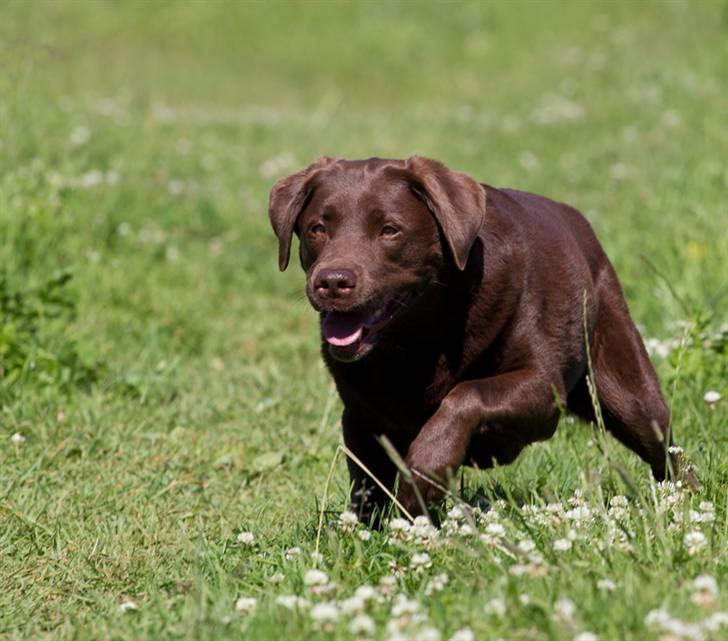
[288, 198]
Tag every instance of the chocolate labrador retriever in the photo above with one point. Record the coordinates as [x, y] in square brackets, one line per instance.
[453, 320]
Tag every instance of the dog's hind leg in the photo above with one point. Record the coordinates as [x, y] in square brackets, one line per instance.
[628, 390]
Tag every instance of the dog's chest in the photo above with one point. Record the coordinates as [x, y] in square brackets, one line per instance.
[399, 394]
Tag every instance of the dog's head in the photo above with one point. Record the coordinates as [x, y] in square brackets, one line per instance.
[374, 236]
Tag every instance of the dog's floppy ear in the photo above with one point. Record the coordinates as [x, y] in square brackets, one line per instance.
[287, 200]
[456, 201]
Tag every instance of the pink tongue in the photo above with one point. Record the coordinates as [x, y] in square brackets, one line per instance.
[342, 329]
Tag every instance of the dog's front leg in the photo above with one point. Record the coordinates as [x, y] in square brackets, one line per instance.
[522, 400]
[368, 498]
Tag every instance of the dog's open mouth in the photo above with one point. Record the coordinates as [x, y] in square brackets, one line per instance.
[350, 335]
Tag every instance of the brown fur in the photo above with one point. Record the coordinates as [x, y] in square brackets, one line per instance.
[486, 289]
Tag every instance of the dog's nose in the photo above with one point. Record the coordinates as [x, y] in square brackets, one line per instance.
[335, 282]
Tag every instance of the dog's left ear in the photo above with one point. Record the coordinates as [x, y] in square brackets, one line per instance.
[288, 198]
[456, 201]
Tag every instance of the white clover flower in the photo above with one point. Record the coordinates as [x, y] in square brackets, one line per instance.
[496, 607]
[711, 398]
[325, 612]
[277, 577]
[526, 546]
[362, 625]
[366, 592]
[525, 599]
[436, 584]
[352, 605]
[292, 553]
[618, 501]
[364, 535]
[246, 538]
[586, 636]
[606, 585]
[456, 513]
[695, 541]
[706, 591]
[292, 602]
[700, 517]
[17, 439]
[128, 605]
[464, 634]
[428, 633]
[579, 514]
[315, 577]
[387, 584]
[564, 611]
[495, 529]
[675, 449]
[79, 136]
[348, 521]
[706, 506]
[656, 618]
[403, 606]
[716, 621]
[317, 557]
[246, 604]
[562, 545]
[518, 569]
[420, 560]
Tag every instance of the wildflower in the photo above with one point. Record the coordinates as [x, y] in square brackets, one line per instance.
[656, 618]
[362, 625]
[315, 577]
[348, 521]
[292, 602]
[695, 541]
[364, 535]
[17, 439]
[366, 592]
[564, 611]
[427, 633]
[675, 449]
[399, 530]
[246, 604]
[526, 546]
[387, 584]
[496, 607]
[79, 136]
[324, 614]
[246, 538]
[711, 398]
[292, 553]
[706, 591]
[586, 636]
[562, 545]
[420, 561]
[495, 529]
[352, 605]
[403, 606]
[128, 605]
[606, 585]
[716, 621]
[464, 634]
[436, 584]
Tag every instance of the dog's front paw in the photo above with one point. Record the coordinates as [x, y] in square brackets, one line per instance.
[416, 495]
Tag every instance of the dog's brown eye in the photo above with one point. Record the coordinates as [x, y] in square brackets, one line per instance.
[388, 231]
[317, 231]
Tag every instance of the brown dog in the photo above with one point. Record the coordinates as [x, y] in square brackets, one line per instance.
[452, 316]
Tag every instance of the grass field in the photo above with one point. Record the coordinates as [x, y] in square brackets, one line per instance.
[161, 391]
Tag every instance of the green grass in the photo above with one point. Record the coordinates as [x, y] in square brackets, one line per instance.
[171, 394]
